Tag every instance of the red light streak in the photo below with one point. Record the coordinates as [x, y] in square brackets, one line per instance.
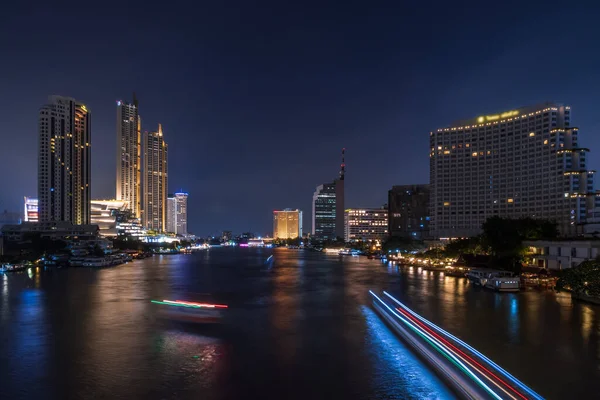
[189, 303]
[430, 331]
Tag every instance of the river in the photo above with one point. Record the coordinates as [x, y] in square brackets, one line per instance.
[299, 327]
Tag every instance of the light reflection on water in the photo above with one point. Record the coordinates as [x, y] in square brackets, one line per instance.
[295, 328]
[396, 366]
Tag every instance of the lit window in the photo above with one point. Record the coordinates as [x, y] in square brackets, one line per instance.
[510, 201]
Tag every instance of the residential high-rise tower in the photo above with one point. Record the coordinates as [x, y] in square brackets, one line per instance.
[64, 161]
[177, 213]
[155, 180]
[129, 155]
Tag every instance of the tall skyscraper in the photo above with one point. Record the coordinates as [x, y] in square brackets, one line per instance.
[177, 213]
[366, 224]
[520, 163]
[64, 161]
[171, 214]
[287, 224]
[408, 211]
[181, 213]
[129, 155]
[155, 180]
[328, 207]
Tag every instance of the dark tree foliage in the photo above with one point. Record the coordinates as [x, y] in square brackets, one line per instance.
[504, 237]
[582, 279]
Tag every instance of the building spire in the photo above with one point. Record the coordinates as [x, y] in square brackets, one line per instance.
[343, 165]
[135, 100]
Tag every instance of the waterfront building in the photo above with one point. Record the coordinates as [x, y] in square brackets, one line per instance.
[171, 214]
[287, 224]
[328, 208]
[55, 230]
[561, 254]
[177, 213]
[526, 162]
[64, 161]
[129, 155]
[408, 211]
[155, 181]
[366, 224]
[30, 209]
[107, 213]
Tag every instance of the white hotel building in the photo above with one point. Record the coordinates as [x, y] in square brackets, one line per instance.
[520, 163]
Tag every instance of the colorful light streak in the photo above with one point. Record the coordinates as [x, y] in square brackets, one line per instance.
[465, 358]
[475, 352]
[444, 352]
[180, 303]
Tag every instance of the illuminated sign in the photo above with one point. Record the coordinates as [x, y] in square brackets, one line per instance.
[496, 117]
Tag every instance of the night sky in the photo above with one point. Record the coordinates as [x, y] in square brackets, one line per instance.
[257, 99]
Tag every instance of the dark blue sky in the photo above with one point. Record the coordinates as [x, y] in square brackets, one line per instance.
[257, 98]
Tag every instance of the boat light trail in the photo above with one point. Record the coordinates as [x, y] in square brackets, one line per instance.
[475, 352]
[464, 357]
[179, 303]
[447, 354]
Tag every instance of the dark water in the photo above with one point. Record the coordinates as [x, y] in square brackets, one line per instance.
[300, 328]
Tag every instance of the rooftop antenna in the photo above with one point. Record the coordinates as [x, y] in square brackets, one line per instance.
[343, 166]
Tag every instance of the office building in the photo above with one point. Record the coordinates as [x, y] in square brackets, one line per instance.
[155, 181]
[129, 179]
[177, 213]
[365, 224]
[520, 163]
[107, 213]
[64, 161]
[30, 210]
[171, 214]
[287, 224]
[181, 213]
[328, 208]
[408, 211]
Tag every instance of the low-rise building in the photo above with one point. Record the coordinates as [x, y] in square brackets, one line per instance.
[561, 254]
[56, 230]
[366, 224]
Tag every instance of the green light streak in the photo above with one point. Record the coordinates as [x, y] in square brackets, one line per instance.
[174, 304]
[442, 352]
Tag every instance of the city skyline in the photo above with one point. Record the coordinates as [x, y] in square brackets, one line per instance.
[227, 144]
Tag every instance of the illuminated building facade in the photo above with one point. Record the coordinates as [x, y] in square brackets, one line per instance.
[181, 200]
[366, 224]
[171, 214]
[30, 210]
[328, 208]
[177, 213]
[155, 181]
[287, 224]
[408, 211]
[521, 163]
[129, 155]
[106, 214]
[64, 161]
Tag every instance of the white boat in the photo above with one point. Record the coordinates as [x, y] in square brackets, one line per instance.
[502, 281]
